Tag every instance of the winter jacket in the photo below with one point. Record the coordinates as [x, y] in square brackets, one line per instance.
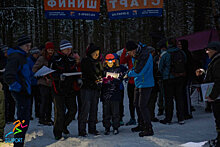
[41, 61]
[3, 62]
[213, 75]
[127, 60]
[143, 70]
[31, 62]
[164, 63]
[63, 64]
[17, 72]
[92, 71]
[111, 90]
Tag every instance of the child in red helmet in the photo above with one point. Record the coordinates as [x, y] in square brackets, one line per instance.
[111, 94]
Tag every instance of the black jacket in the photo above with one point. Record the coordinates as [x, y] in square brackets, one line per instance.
[213, 75]
[63, 64]
[92, 71]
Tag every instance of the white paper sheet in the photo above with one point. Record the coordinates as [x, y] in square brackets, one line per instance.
[206, 90]
[72, 74]
[111, 74]
[43, 71]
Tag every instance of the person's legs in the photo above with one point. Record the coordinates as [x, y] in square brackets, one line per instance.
[79, 102]
[216, 112]
[2, 117]
[168, 93]
[9, 104]
[36, 95]
[144, 96]
[93, 111]
[130, 91]
[85, 94]
[179, 86]
[59, 115]
[152, 102]
[49, 102]
[115, 114]
[106, 115]
[121, 107]
[23, 104]
[43, 99]
[69, 116]
[160, 103]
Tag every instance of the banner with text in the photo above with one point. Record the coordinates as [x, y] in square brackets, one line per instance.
[72, 9]
[118, 9]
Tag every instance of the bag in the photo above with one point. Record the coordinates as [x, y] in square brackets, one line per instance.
[177, 64]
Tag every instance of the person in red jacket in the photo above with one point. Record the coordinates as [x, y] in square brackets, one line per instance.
[126, 59]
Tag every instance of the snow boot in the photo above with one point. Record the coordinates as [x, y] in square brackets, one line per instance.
[148, 131]
[107, 131]
[95, 132]
[115, 131]
[139, 128]
[131, 122]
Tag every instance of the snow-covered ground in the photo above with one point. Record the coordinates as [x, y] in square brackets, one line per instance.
[194, 133]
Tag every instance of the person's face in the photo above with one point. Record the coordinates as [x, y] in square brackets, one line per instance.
[50, 51]
[95, 54]
[179, 45]
[132, 53]
[110, 63]
[67, 51]
[36, 56]
[26, 47]
[210, 52]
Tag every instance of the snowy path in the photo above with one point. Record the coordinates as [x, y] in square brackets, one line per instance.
[196, 130]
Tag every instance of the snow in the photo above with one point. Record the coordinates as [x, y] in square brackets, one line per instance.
[194, 133]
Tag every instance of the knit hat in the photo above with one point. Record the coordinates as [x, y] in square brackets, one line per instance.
[91, 48]
[64, 44]
[4, 48]
[49, 45]
[215, 45]
[34, 50]
[131, 45]
[22, 40]
[150, 49]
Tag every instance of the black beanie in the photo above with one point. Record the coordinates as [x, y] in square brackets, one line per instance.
[131, 45]
[22, 40]
[215, 45]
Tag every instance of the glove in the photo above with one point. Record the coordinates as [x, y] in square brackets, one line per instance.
[80, 82]
[62, 77]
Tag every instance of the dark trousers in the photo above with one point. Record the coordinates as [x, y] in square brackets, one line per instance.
[186, 98]
[152, 101]
[35, 96]
[216, 112]
[9, 104]
[160, 103]
[23, 106]
[173, 88]
[61, 117]
[130, 90]
[111, 111]
[121, 105]
[45, 102]
[142, 96]
[78, 95]
[89, 99]
[2, 115]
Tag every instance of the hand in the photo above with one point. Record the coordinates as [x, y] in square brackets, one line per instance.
[199, 72]
[209, 99]
[62, 77]
[47, 80]
[80, 82]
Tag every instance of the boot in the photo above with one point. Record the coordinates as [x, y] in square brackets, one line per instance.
[148, 131]
[107, 131]
[139, 128]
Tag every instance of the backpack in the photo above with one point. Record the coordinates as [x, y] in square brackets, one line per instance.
[177, 64]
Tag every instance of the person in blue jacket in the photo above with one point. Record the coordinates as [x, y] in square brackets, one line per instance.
[35, 93]
[144, 81]
[18, 76]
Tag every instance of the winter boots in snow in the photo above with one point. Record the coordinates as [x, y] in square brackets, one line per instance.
[139, 128]
[131, 122]
[148, 131]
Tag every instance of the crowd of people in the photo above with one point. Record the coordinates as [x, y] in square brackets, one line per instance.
[152, 75]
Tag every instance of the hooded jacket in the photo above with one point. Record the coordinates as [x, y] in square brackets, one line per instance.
[92, 71]
[213, 75]
[17, 72]
[165, 61]
[143, 70]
